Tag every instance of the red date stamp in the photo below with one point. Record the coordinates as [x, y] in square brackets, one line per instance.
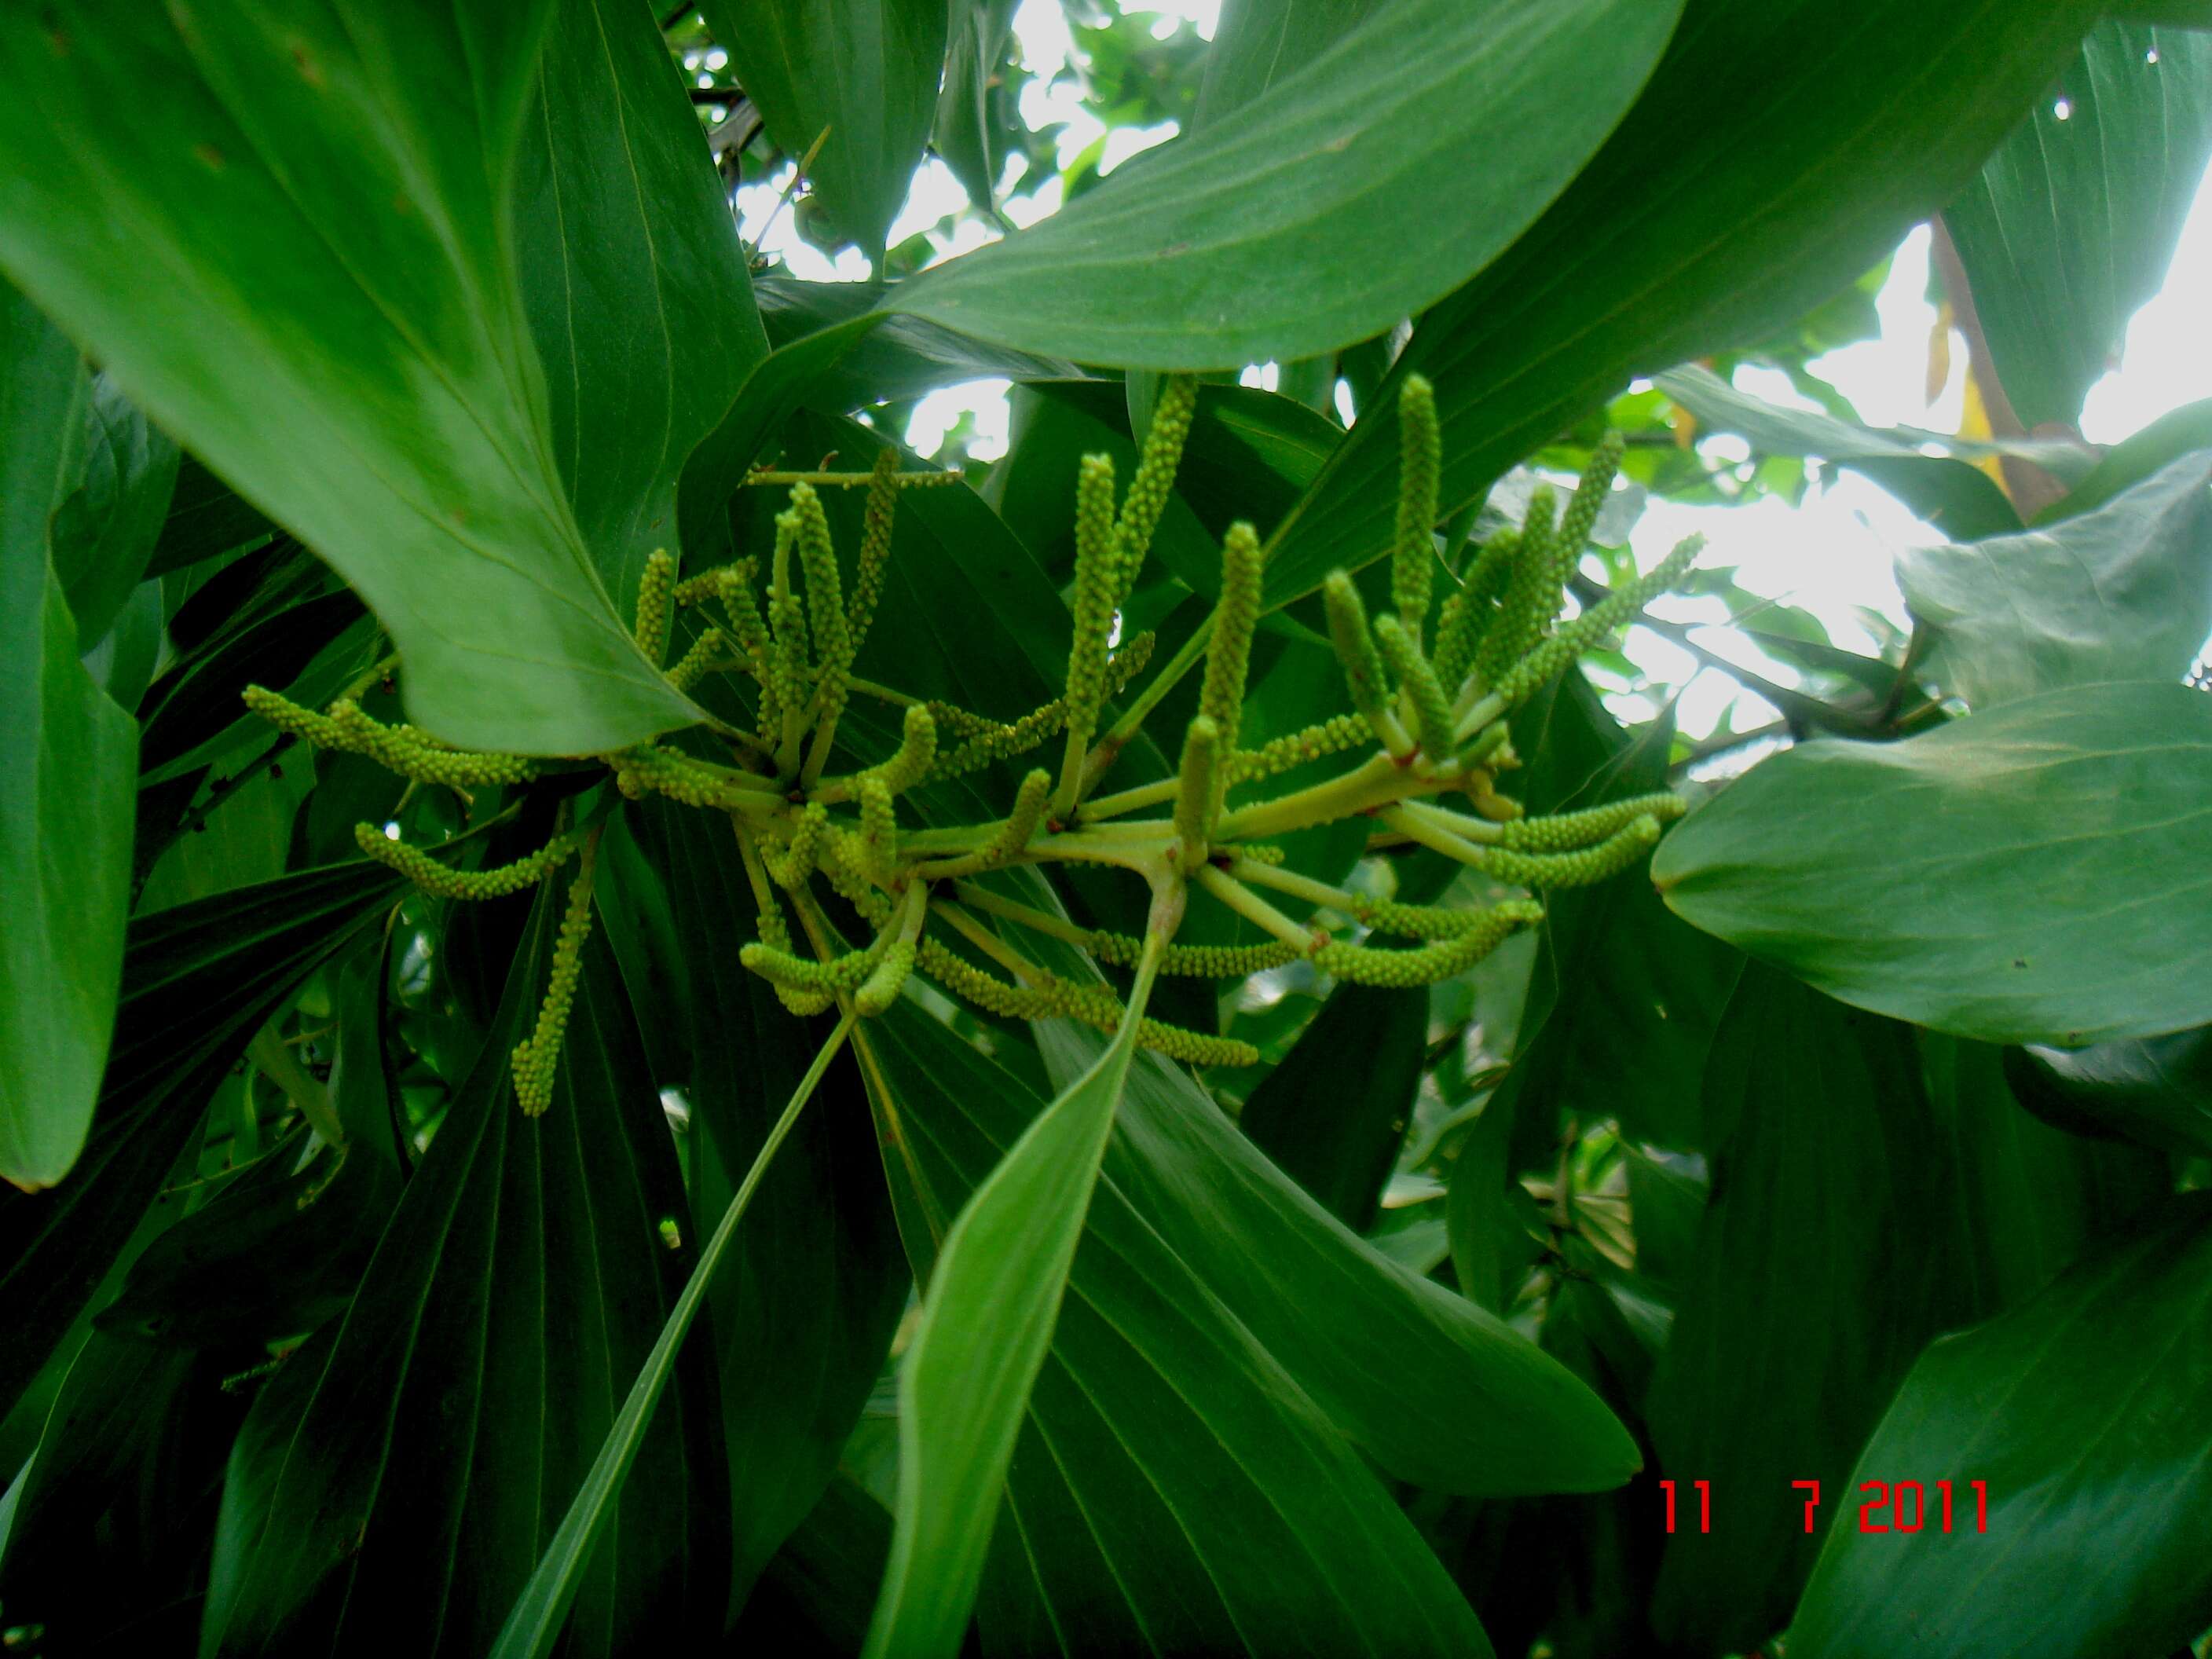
[1895, 1506]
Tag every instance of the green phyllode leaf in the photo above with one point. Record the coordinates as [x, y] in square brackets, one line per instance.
[1214, 252]
[459, 1405]
[987, 1323]
[1798, 153]
[2024, 875]
[860, 77]
[2081, 1417]
[2121, 592]
[324, 308]
[68, 753]
[2069, 226]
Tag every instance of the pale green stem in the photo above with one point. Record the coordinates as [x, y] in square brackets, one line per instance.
[1254, 908]
[304, 1089]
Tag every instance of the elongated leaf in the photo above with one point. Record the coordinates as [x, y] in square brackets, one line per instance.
[68, 753]
[206, 517]
[2125, 465]
[1157, 1416]
[1319, 1297]
[859, 75]
[2025, 875]
[2083, 1416]
[1957, 497]
[2122, 593]
[106, 530]
[456, 1409]
[198, 981]
[1332, 1113]
[2156, 1090]
[2070, 224]
[818, 1279]
[963, 132]
[534, 1626]
[1798, 150]
[633, 276]
[903, 358]
[1210, 251]
[1257, 44]
[1810, 1292]
[325, 310]
[987, 1323]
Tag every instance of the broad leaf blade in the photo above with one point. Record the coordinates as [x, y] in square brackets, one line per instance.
[859, 75]
[1211, 251]
[2085, 1413]
[68, 753]
[2025, 875]
[634, 278]
[2121, 592]
[1157, 1417]
[987, 1323]
[325, 310]
[1332, 1113]
[1797, 149]
[2071, 223]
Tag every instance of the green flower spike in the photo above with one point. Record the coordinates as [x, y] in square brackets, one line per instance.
[1419, 468]
[1532, 592]
[1430, 962]
[1582, 868]
[825, 602]
[1155, 480]
[878, 852]
[1564, 831]
[786, 622]
[1331, 737]
[881, 987]
[792, 867]
[1196, 792]
[1229, 652]
[440, 881]
[697, 660]
[1363, 668]
[1594, 623]
[733, 588]
[877, 524]
[1010, 840]
[536, 1057]
[1580, 519]
[1096, 576]
[656, 590]
[1432, 714]
[401, 748]
[911, 761]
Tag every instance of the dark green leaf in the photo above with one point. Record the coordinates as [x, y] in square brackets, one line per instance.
[104, 530]
[206, 517]
[860, 75]
[633, 277]
[1210, 251]
[68, 753]
[1947, 491]
[904, 357]
[2164, 439]
[2071, 223]
[986, 1322]
[2025, 875]
[1156, 1419]
[963, 132]
[1805, 1302]
[2156, 1090]
[2084, 1415]
[2121, 592]
[327, 210]
[1332, 1115]
[1257, 44]
[1791, 169]
[818, 1279]
[459, 1405]
[198, 981]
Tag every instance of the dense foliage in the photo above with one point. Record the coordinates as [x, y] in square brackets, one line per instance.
[636, 1020]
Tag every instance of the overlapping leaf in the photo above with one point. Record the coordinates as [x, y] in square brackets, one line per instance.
[1797, 149]
[2071, 222]
[2084, 1414]
[455, 1410]
[2026, 874]
[68, 753]
[1212, 254]
[323, 306]
[2121, 592]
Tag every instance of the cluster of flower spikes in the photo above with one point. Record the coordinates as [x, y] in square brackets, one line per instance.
[1429, 708]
